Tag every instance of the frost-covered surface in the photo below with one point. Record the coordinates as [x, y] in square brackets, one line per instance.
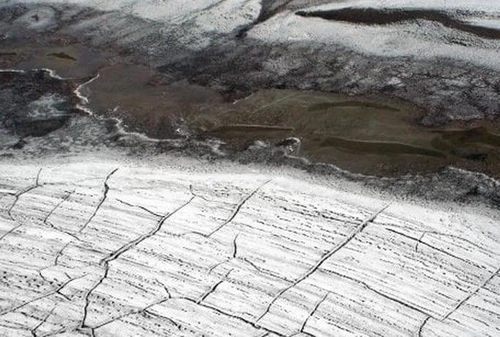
[417, 38]
[102, 247]
[177, 10]
[240, 46]
[487, 22]
[473, 5]
[204, 17]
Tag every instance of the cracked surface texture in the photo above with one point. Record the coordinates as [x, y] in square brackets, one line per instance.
[122, 248]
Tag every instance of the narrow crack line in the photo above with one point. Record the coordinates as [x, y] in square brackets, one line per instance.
[419, 241]
[313, 312]
[239, 318]
[325, 257]
[132, 284]
[13, 229]
[280, 293]
[64, 231]
[165, 288]
[130, 313]
[421, 327]
[116, 254]
[70, 234]
[61, 253]
[22, 192]
[260, 270]
[235, 246]
[141, 207]
[254, 266]
[390, 298]
[451, 236]
[193, 193]
[46, 219]
[42, 322]
[174, 323]
[63, 296]
[308, 334]
[87, 296]
[41, 296]
[101, 202]
[194, 233]
[215, 266]
[238, 207]
[37, 181]
[433, 247]
[41, 275]
[232, 257]
[465, 299]
[213, 288]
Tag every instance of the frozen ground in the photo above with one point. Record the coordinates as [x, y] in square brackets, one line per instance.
[472, 5]
[444, 59]
[94, 246]
[104, 247]
[203, 18]
[421, 38]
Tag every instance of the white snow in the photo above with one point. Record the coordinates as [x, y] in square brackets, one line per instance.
[204, 18]
[220, 16]
[423, 40]
[115, 246]
[493, 22]
[472, 5]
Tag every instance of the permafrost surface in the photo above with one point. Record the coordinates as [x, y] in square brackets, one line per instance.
[128, 249]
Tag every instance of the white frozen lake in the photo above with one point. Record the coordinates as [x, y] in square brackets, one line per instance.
[93, 246]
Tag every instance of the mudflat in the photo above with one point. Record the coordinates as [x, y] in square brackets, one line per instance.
[373, 134]
[364, 134]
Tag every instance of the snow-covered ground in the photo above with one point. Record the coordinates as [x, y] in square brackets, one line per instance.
[472, 5]
[174, 247]
[224, 16]
[204, 16]
[423, 39]
[443, 57]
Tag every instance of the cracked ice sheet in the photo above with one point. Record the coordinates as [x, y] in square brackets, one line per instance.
[413, 267]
